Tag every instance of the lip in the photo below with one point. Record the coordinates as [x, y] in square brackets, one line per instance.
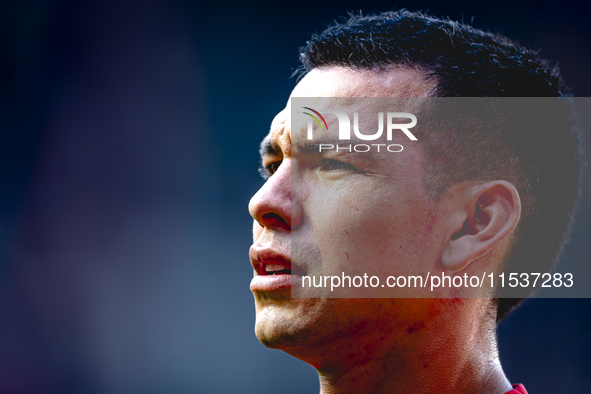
[260, 256]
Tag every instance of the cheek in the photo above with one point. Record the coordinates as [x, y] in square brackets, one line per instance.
[375, 229]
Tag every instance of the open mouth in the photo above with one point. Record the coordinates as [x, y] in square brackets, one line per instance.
[273, 271]
[269, 262]
[276, 269]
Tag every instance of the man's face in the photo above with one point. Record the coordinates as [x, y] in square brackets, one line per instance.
[340, 212]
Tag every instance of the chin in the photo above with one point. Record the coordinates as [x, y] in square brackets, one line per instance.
[291, 337]
[266, 336]
[275, 330]
[287, 324]
[274, 338]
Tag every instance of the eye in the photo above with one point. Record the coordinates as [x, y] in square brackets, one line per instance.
[269, 169]
[272, 168]
[333, 165]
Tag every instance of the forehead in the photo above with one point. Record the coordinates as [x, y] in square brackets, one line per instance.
[394, 81]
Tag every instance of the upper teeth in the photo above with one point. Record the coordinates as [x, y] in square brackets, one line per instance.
[274, 267]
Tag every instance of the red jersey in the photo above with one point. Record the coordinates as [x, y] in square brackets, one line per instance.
[517, 389]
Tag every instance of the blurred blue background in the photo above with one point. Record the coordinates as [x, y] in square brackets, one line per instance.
[129, 134]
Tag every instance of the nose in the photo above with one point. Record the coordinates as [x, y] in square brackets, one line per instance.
[272, 205]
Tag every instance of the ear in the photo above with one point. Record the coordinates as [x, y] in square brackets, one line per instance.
[483, 215]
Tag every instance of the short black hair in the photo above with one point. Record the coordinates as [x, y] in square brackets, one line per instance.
[468, 62]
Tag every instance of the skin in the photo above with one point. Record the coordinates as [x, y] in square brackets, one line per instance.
[377, 214]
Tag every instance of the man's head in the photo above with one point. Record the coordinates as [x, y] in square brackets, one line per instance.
[462, 198]
[354, 213]
[461, 61]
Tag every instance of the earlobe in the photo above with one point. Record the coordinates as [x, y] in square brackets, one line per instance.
[484, 216]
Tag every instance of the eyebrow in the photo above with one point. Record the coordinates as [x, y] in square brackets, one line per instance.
[269, 147]
[311, 147]
[308, 147]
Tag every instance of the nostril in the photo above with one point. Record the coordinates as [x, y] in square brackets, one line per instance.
[272, 219]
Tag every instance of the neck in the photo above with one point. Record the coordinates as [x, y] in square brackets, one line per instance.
[454, 352]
